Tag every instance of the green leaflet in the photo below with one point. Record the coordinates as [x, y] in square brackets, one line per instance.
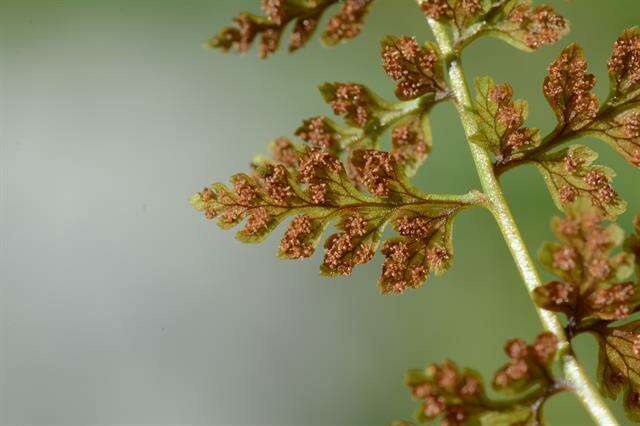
[417, 69]
[567, 88]
[314, 189]
[570, 174]
[347, 23]
[518, 415]
[525, 27]
[618, 122]
[442, 387]
[324, 133]
[359, 106]
[445, 391]
[411, 142]
[365, 192]
[514, 21]
[529, 365]
[499, 121]
[619, 364]
[593, 278]
[305, 17]
[425, 246]
[624, 68]
[368, 117]
[621, 132]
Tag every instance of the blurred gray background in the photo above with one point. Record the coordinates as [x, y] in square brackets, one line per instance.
[122, 306]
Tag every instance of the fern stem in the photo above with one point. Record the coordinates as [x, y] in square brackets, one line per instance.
[572, 369]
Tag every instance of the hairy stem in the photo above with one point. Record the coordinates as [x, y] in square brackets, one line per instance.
[573, 371]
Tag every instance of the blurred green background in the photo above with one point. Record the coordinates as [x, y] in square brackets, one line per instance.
[122, 306]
